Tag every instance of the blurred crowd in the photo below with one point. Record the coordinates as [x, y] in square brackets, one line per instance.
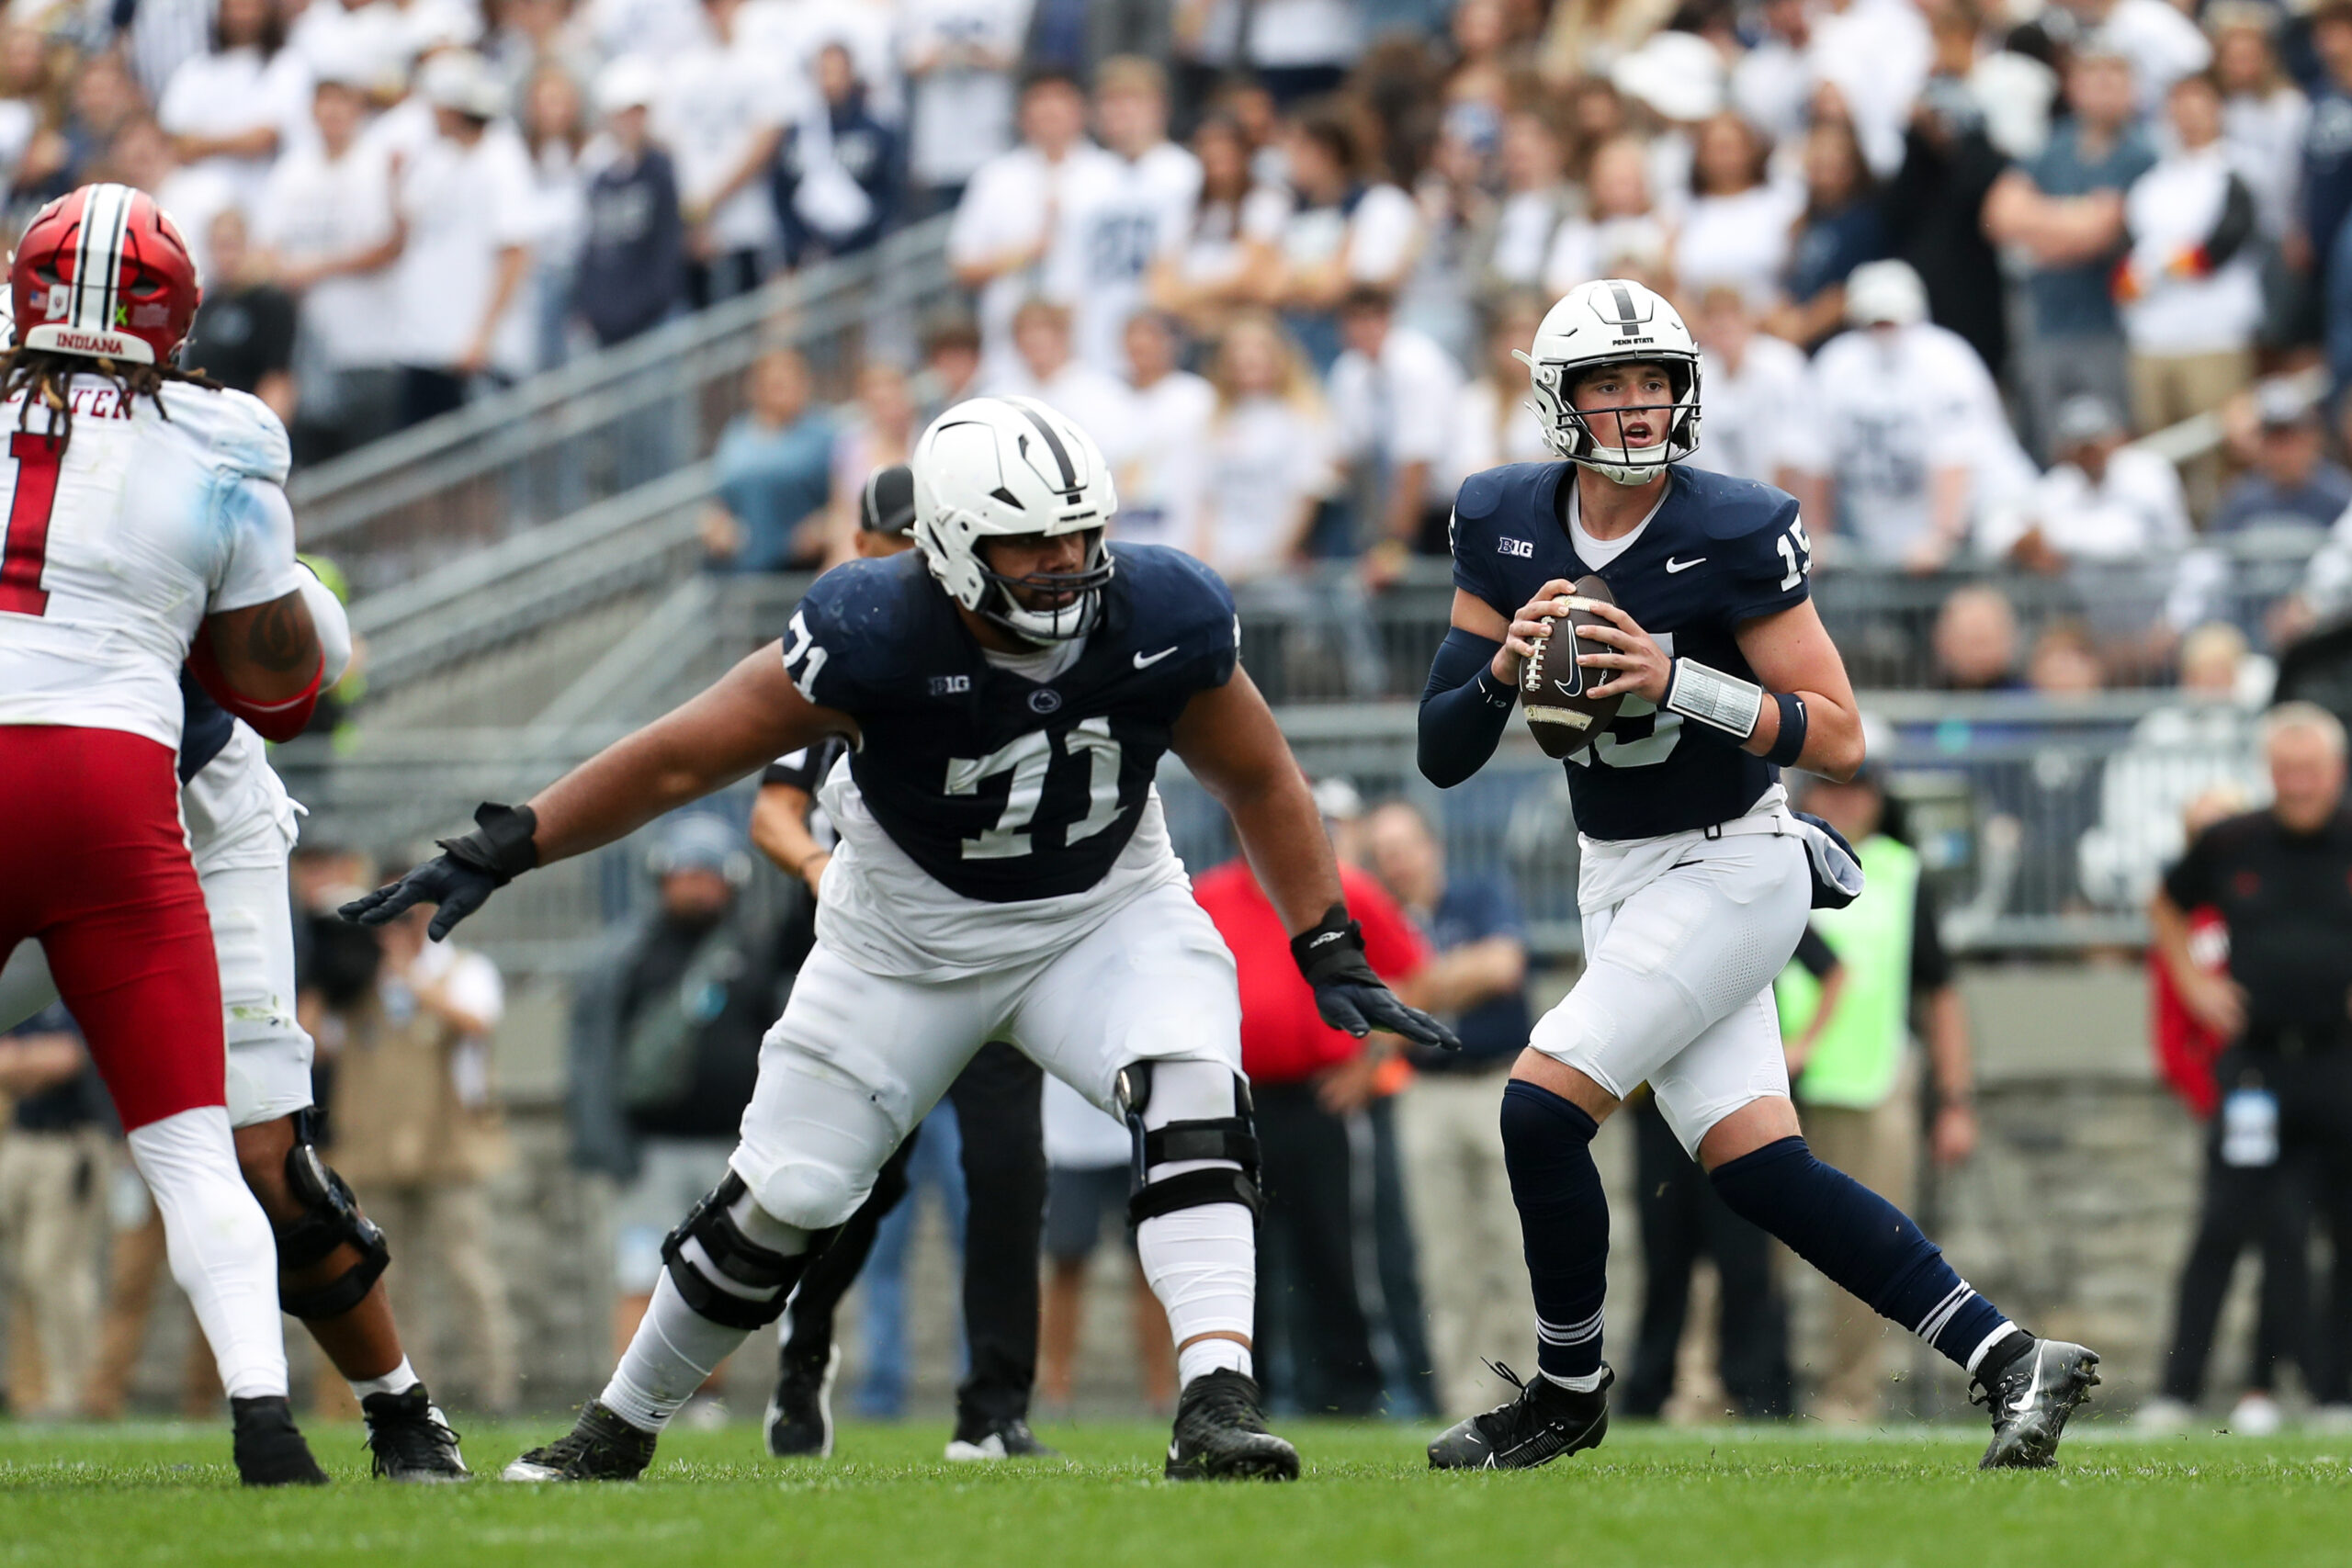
[1946, 258]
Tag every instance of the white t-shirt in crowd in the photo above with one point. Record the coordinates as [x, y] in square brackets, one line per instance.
[657, 29]
[1211, 252]
[1267, 459]
[1494, 424]
[463, 205]
[1746, 417]
[958, 118]
[795, 31]
[1101, 404]
[2168, 211]
[236, 91]
[2162, 45]
[1116, 218]
[716, 101]
[1401, 408]
[2134, 511]
[2264, 137]
[1524, 228]
[1876, 53]
[1887, 409]
[1740, 240]
[1379, 234]
[1006, 207]
[315, 208]
[158, 519]
[1584, 249]
[471, 984]
[1160, 489]
[370, 41]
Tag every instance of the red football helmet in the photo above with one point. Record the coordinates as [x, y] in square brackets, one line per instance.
[104, 272]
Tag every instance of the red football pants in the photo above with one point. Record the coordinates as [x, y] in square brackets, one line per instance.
[94, 867]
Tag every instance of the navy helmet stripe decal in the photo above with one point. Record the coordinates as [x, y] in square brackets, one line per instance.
[1052, 441]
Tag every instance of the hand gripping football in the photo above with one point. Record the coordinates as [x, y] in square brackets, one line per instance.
[1552, 686]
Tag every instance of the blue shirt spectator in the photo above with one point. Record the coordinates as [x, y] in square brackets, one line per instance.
[836, 180]
[2327, 143]
[2292, 482]
[1474, 923]
[2075, 301]
[775, 463]
[633, 262]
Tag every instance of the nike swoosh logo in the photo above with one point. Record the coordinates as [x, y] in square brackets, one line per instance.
[1673, 565]
[1174, 1455]
[1146, 660]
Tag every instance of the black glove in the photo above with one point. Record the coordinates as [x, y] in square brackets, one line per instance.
[1349, 995]
[464, 876]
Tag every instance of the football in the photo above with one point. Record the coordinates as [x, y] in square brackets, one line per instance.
[1552, 684]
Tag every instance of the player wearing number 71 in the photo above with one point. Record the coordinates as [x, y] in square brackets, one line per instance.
[1003, 872]
[1696, 876]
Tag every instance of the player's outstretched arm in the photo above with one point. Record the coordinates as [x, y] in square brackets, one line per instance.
[1228, 738]
[751, 715]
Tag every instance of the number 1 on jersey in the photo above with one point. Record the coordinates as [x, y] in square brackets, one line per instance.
[25, 552]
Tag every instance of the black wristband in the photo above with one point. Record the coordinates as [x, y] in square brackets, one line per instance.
[1789, 744]
[501, 842]
[1334, 943]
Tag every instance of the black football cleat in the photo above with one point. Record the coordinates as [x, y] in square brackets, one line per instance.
[800, 1411]
[268, 1447]
[2030, 1399]
[600, 1447]
[1221, 1433]
[1544, 1422]
[979, 1439]
[410, 1440]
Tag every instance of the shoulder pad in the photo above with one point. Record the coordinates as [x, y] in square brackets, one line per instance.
[236, 428]
[1483, 495]
[1736, 508]
[1172, 584]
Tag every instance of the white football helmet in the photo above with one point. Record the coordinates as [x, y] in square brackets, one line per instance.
[1613, 322]
[998, 468]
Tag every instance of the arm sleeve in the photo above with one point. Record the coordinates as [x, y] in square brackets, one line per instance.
[1815, 954]
[333, 625]
[1464, 709]
[1931, 964]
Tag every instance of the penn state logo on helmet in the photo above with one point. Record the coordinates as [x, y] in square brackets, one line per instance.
[1007, 468]
[104, 272]
[1614, 320]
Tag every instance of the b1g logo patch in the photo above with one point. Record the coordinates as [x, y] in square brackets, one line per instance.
[1523, 548]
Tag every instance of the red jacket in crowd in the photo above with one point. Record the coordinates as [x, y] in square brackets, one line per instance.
[2186, 1049]
[1283, 1039]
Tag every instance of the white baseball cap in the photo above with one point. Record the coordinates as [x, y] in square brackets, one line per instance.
[1885, 293]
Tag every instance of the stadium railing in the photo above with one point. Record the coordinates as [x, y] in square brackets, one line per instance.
[608, 422]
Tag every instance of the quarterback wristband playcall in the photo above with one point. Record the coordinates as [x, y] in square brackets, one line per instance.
[1713, 698]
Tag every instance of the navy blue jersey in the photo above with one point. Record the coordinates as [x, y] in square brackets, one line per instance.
[205, 726]
[1001, 787]
[1718, 551]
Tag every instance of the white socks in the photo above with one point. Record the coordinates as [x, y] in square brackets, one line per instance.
[400, 1379]
[220, 1245]
[676, 1349]
[1202, 1265]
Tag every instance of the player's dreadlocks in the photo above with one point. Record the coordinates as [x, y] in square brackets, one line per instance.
[48, 377]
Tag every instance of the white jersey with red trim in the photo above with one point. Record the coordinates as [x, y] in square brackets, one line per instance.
[115, 552]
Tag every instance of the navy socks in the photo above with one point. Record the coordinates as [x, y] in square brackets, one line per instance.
[1863, 1243]
[1563, 1221]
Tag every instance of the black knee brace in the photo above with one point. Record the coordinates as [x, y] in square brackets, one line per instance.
[331, 1217]
[1231, 1137]
[736, 1256]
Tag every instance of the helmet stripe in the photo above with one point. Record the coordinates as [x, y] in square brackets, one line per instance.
[97, 261]
[1052, 441]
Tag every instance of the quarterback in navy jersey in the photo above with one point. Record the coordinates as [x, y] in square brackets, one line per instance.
[1696, 877]
[1002, 872]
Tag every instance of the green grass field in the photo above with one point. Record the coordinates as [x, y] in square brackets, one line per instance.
[115, 1498]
